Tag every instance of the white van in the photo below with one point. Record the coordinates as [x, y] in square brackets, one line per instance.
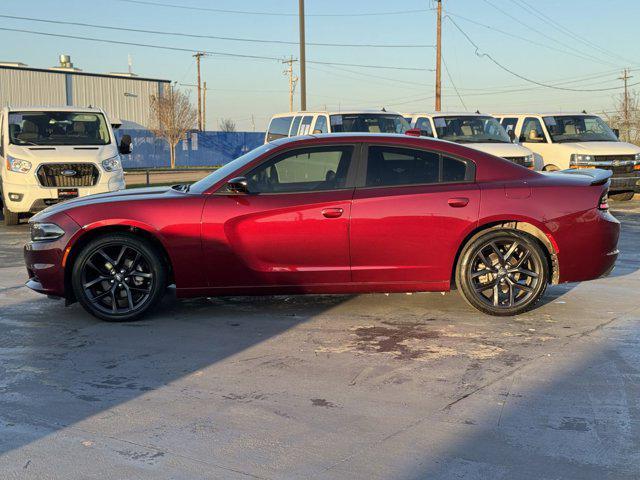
[311, 123]
[578, 140]
[51, 154]
[475, 130]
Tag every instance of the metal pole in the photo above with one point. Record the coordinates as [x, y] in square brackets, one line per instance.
[439, 59]
[303, 67]
[198, 55]
[204, 106]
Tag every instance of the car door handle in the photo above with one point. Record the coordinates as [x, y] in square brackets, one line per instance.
[332, 212]
[458, 202]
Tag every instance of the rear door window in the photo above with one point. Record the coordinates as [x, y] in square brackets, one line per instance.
[279, 128]
[305, 125]
[424, 125]
[294, 126]
[321, 125]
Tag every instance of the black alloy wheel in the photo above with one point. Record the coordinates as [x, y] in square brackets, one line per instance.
[118, 277]
[503, 272]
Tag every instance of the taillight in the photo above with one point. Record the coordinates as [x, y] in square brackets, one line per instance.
[603, 204]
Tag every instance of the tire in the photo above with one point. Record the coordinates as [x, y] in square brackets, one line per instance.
[550, 168]
[514, 277]
[119, 277]
[10, 218]
[622, 197]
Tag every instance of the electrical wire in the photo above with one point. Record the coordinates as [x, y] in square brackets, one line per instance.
[214, 37]
[481, 54]
[446, 69]
[207, 52]
[273, 14]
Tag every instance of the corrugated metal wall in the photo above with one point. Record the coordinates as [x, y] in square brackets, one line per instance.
[121, 97]
[30, 88]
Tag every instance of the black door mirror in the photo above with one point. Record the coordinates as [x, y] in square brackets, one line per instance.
[125, 145]
[512, 135]
[616, 132]
[238, 185]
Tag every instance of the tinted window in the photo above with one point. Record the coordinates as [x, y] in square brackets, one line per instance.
[305, 170]
[532, 131]
[321, 125]
[305, 126]
[58, 128]
[389, 166]
[509, 124]
[424, 125]
[294, 127]
[279, 128]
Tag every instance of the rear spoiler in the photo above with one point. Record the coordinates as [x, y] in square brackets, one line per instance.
[598, 175]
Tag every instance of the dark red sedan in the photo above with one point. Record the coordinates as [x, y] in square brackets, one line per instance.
[332, 214]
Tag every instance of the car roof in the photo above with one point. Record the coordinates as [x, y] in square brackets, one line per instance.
[447, 114]
[544, 114]
[62, 108]
[339, 112]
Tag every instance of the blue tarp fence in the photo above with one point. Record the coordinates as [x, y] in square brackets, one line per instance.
[200, 149]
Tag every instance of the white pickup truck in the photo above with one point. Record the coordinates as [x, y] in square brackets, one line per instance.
[50, 154]
[578, 140]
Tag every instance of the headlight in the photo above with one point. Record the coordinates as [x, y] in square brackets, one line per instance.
[578, 159]
[637, 157]
[45, 231]
[18, 165]
[112, 164]
[528, 160]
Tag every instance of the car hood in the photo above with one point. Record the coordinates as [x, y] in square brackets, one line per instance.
[120, 195]
[62, 153]
[500, 149]
[602, 148]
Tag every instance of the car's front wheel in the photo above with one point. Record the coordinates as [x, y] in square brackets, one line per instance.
[119, 277]
[503, 272]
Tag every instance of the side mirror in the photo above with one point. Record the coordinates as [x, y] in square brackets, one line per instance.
[125, 145]
[238, 185]
[616, 132]
[512, 135]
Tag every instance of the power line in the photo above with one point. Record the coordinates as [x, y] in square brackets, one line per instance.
[208, 52]
[446, 69]
[273, 14]
[213, 37]
[522, 77]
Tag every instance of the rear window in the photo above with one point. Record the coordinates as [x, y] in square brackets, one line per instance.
[279, 128]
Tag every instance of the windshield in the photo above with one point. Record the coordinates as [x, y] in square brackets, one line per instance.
[470, 129]
[368, 123]
[58, 128]
[207, 182]
[578, 128]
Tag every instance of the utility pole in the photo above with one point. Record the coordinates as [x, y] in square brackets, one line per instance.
[198, 56]
[439, 59]
[204, 106]
[625, 102]
[292, 80]
[303, 61]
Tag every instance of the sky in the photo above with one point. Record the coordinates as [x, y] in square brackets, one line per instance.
[571, 44]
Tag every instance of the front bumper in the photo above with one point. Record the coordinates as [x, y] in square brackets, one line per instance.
[629, 183]
[35, 197]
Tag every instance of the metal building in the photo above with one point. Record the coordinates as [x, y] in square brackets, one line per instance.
[124, 96]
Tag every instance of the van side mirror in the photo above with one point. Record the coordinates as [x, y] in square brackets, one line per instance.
[125, 147]
[512, 135]
[616, 132]
[238, 185]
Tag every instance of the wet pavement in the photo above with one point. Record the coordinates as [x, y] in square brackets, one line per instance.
[370, 386]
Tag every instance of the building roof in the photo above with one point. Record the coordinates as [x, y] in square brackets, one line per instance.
[61, 108]
[63, 71]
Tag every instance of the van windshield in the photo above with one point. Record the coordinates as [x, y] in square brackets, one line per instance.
[470, 129]
[578, 128]
[58, 128]
[368, 123]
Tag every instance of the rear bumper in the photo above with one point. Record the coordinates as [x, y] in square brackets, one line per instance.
[589, 249]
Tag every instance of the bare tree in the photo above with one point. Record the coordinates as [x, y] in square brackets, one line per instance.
[227, 125]
[172, 116]
[626, 118]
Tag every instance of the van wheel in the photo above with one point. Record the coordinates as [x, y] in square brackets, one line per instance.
[503, 273]
[10, 218]
[550, 168]
[622, 197]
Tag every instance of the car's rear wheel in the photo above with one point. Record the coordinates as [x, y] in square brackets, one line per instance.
[622, 197]
[119, 277]
[503, 272]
